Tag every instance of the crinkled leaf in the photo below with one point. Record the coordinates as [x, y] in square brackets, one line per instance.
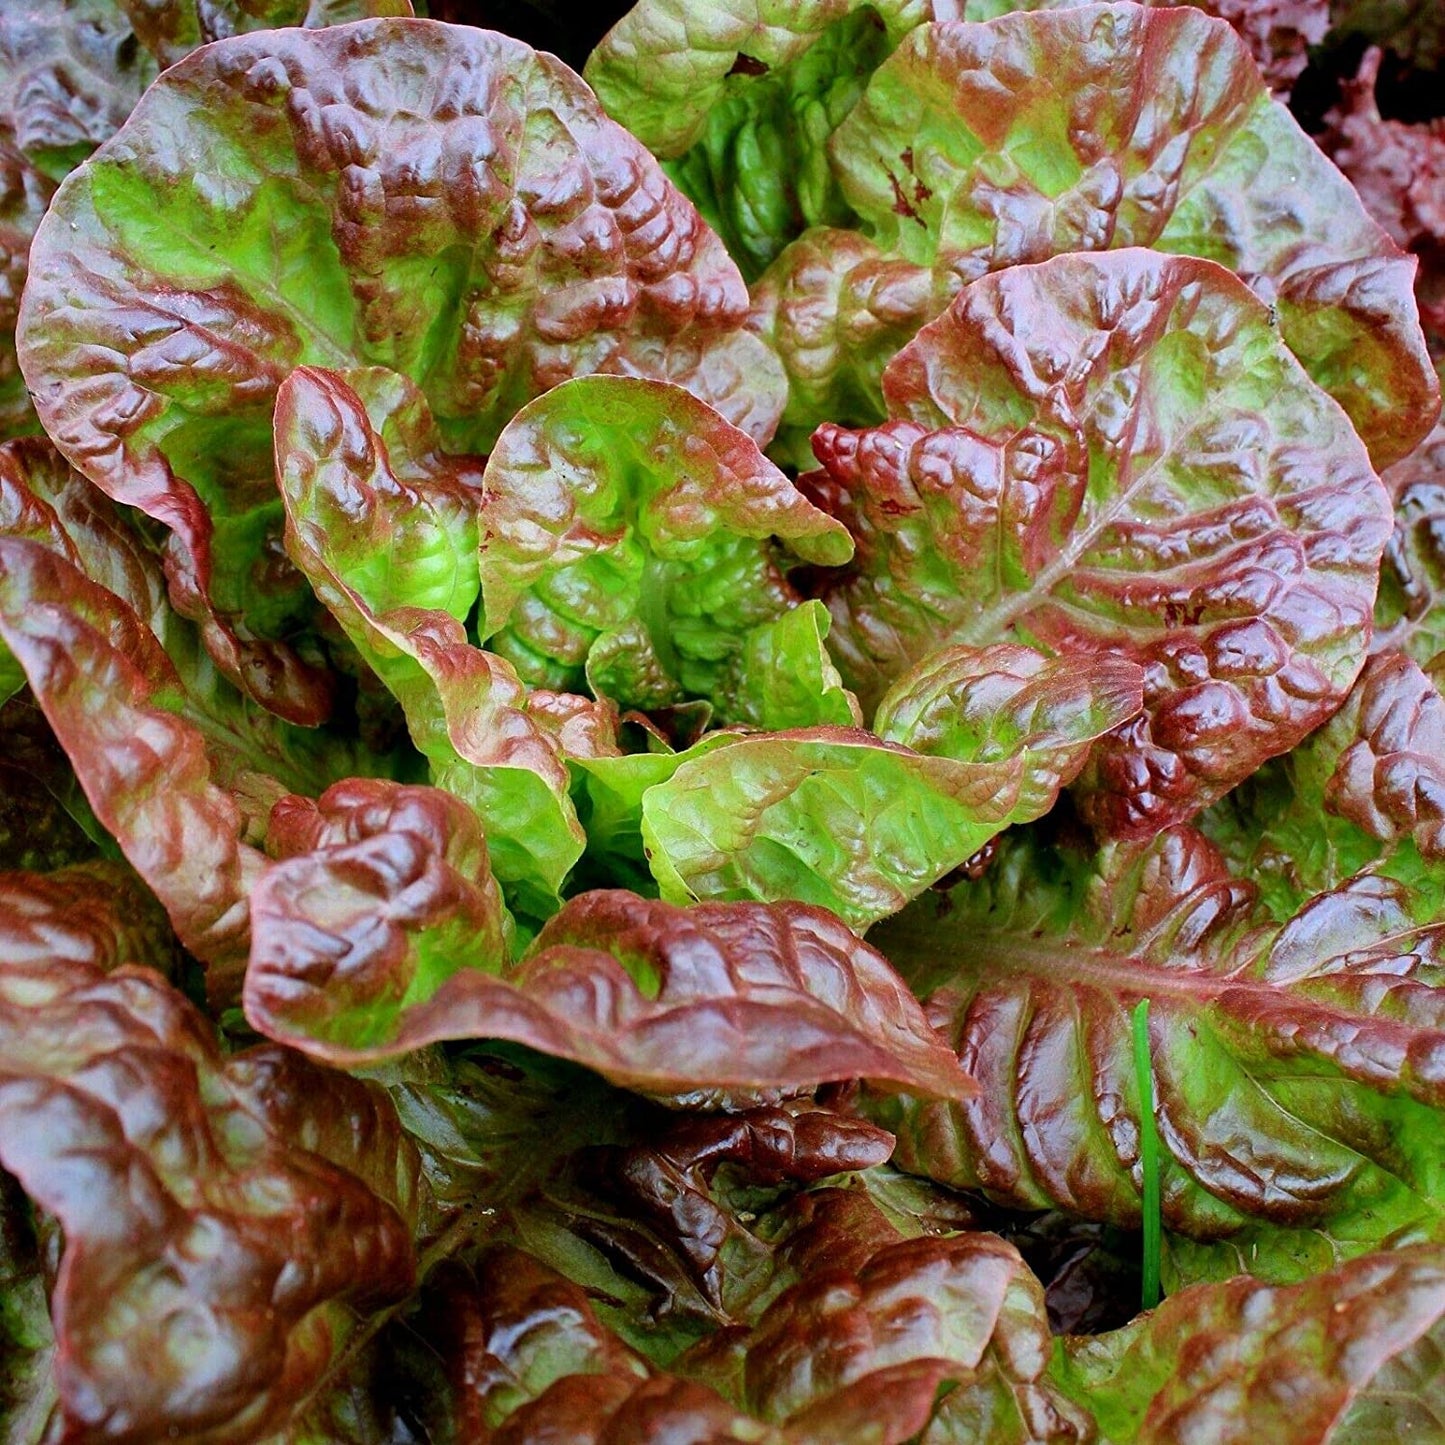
[70, 73]
[857, 1351]
[533, 1363]
[475, 223]
[225, 1221]
[1278, 33]
[836, 307]
[1348, 1357]
[627, 545]
[1116, 454]
[1295, 1070]
[96, 914]
[860, 824]
[388, 542]
[354, 943]
[965, 156]
[171, 29]
[1373, 776]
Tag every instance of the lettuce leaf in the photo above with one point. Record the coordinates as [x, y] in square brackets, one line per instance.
[385, 530]
[963, 158]
[860, 822]
[1295, 1076]
[228, 1222]
[629, 544]
[253, 215]
[385, 937]
[1116, 455]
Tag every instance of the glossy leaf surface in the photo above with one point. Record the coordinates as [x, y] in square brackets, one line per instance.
[1371, 779]
[651, 996]
[857, 822]
[1352, 1355]
[628, 542]
[1115, 454]
[963, 156]
[1295, 1070]
[347, 490]
[225, 1220]
[475, 224]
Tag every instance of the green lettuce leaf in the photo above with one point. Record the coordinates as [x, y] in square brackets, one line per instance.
[1115, 454]
[628, 544]
[255, 215]
[860, 823]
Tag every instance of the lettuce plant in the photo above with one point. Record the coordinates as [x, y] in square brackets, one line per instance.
[709, 753]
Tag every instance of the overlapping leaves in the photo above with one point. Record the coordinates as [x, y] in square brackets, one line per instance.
[608, 1175]
[1115, 454]
[475, 224]
[1295, 1069]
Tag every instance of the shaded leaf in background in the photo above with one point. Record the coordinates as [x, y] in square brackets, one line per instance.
[627, 543]
[226, 1221]
[478, 225]
[1115, 454]
[387, 538]
[1296, 1072]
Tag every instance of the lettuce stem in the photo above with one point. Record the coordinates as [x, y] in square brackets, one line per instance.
[1149, 1149]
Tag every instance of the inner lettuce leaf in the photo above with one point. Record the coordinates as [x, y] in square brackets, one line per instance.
[230, 1223]
[1295, 1069]
[668, 65]
[385, 936]
[860, 823]
[628, 546]
[1116, 455]
[475, 224]
[964, 157]
[386, 533]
